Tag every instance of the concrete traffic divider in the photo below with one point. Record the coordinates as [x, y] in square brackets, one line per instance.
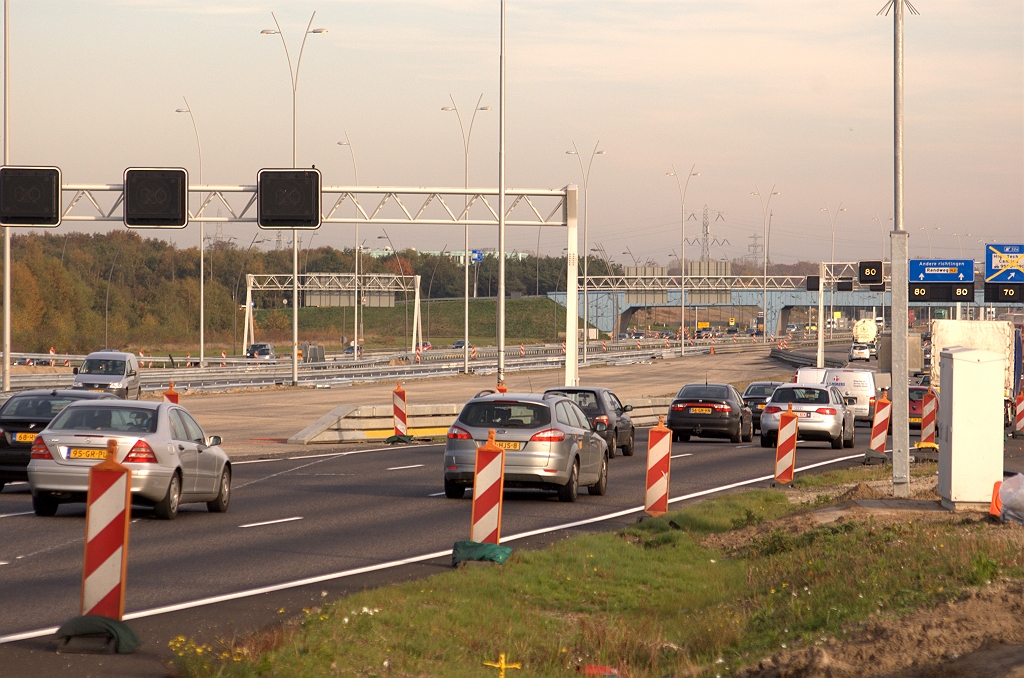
[659, 469]
[488, 491]
[785, 447]
[107, 519]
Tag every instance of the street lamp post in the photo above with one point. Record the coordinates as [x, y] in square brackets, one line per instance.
[928, 233]
[7, 231]
[466, 137]
[765, 207]
[832, 218]
[586, 245]
[682, 251]
[960, 241]
[202, 242]
[294, 75]
[355, 255]
[234, 296]
[430, 285]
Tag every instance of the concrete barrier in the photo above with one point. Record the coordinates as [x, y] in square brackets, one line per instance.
[352, 423]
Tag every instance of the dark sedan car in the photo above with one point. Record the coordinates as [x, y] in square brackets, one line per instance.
[22, 417]
[602, 406]
[756, 396]
[710, 411]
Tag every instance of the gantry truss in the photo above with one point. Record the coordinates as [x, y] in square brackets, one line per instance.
[834, 272]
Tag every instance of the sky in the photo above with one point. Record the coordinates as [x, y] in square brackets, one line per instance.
[795, 95]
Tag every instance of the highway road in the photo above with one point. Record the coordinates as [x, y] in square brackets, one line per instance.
[316, 513]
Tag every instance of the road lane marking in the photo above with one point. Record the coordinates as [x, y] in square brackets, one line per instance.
[402, 468]
[11, 515]
[272, 522]
[19, 482]
[436, 494]
[741, 447]
[331, 454]
[190, 604]
[676, 456]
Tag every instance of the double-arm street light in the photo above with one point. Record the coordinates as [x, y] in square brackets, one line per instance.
[960, 241]
[401, 269]
[928, 233]
[202, 242]
[682, 186]
[586, 245]
[355, 255]
[294, 75]
[467, 135]
[765, 210]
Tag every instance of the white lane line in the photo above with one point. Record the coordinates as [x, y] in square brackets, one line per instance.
[436, 494]
[742, 447]
[329, 454]
[19, 482]
[676, 456]
[190, 604]
[11, 515]
[4, 562]
[402, 468]
[272, 522]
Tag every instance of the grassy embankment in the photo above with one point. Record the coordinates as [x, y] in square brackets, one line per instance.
[649, 599]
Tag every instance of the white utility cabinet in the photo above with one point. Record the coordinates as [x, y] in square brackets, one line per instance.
[970, 426]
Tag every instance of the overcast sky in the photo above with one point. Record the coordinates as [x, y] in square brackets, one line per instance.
[795, 94]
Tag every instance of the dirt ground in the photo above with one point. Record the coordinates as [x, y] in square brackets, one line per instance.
[979, 635]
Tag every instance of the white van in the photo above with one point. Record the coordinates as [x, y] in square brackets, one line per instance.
[810, 375]
[856, 383]
[109, 371]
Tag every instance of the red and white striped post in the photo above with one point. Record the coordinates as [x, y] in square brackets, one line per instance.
[488, 491]
[659, 468]
[666, 342]
[170, 395]
[929, 405]
[880, 425]
[107, 518]
[223, 357]
[785, 447]
[604, 346]
[400, 410]
[1018, 417]
[473, 353]
[522, 350]
[563, 348]
[52, 352]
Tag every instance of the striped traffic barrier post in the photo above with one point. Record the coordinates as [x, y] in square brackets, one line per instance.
[473, 353]
[659, 469]
[400, 410]
[563, 348]
[880, 425]
[417, 355]
[223, 357]
[712, 346]
[488, 488]
[52, 361]
[1018, 417]
[785, 447]
[638, 344]
[929, 405]
[522, 350]
[170, 395]
[666, 342]
[107, 518]
[604, 346]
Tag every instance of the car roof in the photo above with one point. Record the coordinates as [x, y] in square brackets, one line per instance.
[707, 383]
[117, 402]
[108, 354]
[759, 383]
[823, 387]
[521, 397]
[65, 393]
[575, 389]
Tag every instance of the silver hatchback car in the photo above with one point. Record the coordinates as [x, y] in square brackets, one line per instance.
[549, 441]
[823, 412]
[171, 459]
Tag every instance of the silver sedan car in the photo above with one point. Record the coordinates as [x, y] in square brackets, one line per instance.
[171, 459]
[549, 441]
[822, 410]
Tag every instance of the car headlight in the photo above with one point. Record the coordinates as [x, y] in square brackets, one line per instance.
[116, 384]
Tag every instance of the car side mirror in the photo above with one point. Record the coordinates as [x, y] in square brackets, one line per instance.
[213, 441]
[600, 427]
[627, 408]
[132, 373]
[74, 370]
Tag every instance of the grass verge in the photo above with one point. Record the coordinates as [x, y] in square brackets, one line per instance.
[649, 600]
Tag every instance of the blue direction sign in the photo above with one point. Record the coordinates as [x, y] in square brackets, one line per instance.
[476, 256]
[941, 270]
[1004, 263]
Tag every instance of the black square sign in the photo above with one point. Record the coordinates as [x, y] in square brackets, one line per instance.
[29, 196]
[155, 197]
[869, 272]
[288, 198]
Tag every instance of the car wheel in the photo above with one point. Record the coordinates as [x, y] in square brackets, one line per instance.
[750, 433]
[44, 505]
[853, 439]
[627, 449]
[737, 435]
[167, 508]
[683, 437]
[837, 442]
[613, 444]
[601, 486]
[766, 440]
[454, 490]
[568, 492]
[220, 504]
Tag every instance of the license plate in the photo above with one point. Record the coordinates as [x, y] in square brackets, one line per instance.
[79, 453]
[98, 390]
[24, 437]
[700, 410]
[507, 444]
[805, 415]
[915, 420]
[760, 406]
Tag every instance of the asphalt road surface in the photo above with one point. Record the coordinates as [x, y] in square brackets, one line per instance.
[336, 512]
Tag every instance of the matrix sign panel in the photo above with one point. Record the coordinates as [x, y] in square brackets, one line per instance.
[155, 197]
[1007, 293]
[288, 198]
[29, 196]
[940, 292]
[869, 272]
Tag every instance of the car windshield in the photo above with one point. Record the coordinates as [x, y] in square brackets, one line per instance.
[121, 419]
[704, 391]
[807, 396]
[759, 390]
[505, 414]
[102, 366]
[34, 407]
[587, 400]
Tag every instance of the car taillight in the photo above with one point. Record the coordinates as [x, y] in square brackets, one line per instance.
[548, 435]
[141, 453]
[602, 419]
[772, 409]
[39, 449]
[722, 407]
[871, 402]
[678, 407]
[457, 433]
[826, 410]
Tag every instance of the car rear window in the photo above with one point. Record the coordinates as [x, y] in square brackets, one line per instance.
[505, 414]
[705, 391]
[101, 366]
[757, 390]
[587, 400]
[806, 396]
[34, 407]
[120, 419]
[917, 393]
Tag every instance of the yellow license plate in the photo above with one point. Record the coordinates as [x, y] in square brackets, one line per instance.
[79, 453]
[24, 437]
[915, 420]
[700, 410]
[507, 444]
[98, 390]
[760, 406]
